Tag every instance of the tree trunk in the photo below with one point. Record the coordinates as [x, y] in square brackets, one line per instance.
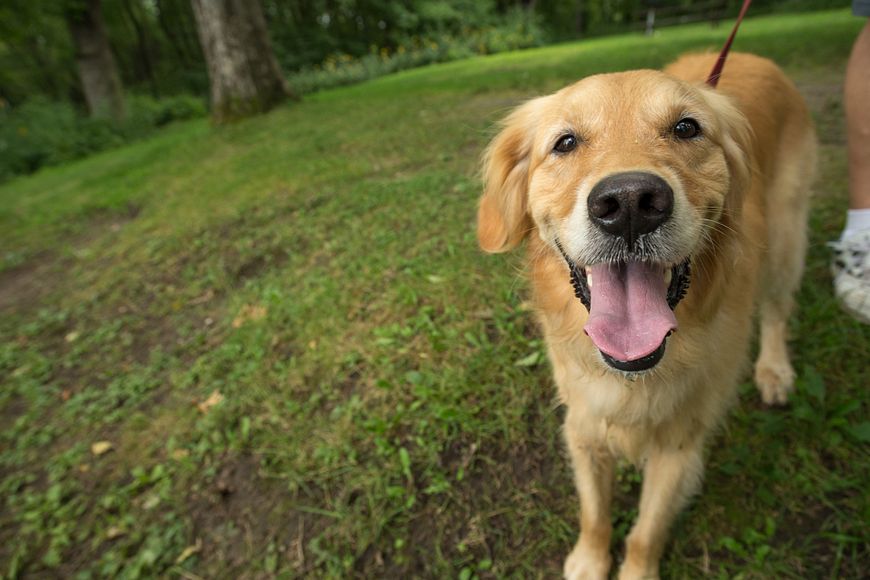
[579, 20]
[175, 22]
[142, 46]
[244, 74]
[101, 82]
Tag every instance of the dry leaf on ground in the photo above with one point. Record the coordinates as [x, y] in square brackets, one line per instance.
[101, 447]
[189, 551]
[213, 399]
[249, 312]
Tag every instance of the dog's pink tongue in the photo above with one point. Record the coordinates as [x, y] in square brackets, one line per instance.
[629, 315]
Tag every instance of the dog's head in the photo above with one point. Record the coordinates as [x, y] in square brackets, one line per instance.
[626, 176]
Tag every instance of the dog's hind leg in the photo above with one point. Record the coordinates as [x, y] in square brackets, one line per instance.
[787, 203]
[593, 474]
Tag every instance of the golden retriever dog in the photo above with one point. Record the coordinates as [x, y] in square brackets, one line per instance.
[659, 212]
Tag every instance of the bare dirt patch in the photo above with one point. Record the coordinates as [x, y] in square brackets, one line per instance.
[103, 221]
[22, 287]
[825, 100]
[239, 513]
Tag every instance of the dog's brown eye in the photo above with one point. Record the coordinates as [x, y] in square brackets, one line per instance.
[687, 129]
[565, 144]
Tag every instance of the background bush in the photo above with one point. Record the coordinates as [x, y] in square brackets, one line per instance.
[520, 29]
[42, 132]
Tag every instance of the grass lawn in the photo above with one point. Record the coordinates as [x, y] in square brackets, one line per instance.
[274, 349]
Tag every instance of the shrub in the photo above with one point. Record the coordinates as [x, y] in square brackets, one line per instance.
[519, 29]
[41, 132]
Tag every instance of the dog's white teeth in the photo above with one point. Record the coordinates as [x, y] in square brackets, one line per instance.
[669, 274]
[589, 277]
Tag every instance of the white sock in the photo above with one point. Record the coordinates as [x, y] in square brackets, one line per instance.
[856, 220]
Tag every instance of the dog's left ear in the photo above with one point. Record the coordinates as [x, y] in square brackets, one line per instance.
[736, 140]
[502, 217]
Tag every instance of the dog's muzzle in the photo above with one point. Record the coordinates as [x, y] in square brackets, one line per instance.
[630, 296]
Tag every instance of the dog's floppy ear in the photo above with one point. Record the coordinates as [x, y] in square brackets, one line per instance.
[502, 217]
[736, 142]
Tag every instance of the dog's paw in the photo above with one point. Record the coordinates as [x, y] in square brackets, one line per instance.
[630, 573]
[774, 381]
[583, 565]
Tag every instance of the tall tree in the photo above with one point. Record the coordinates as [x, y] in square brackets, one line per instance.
[244, 75]
[579, 20]
[98, 72]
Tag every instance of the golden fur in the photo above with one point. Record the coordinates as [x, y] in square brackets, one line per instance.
[740, 201]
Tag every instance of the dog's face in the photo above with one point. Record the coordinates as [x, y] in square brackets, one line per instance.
[626, 176]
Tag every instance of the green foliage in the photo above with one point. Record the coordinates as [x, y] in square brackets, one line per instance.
[305, 33]
[42, 133]
[518, 31]
[154, 42]
[36, 54]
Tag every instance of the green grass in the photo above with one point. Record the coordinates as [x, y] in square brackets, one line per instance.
[384, 409]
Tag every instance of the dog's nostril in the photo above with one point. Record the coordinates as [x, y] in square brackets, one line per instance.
[605, 207]
[648, 203]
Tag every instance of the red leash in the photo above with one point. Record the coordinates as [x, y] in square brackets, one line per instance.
[713, 79]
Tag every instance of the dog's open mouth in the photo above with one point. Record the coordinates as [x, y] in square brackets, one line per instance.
[630, 308]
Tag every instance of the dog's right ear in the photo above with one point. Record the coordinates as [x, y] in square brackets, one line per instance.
[502, 217]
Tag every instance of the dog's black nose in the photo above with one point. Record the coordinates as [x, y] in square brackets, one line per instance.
[630, 204]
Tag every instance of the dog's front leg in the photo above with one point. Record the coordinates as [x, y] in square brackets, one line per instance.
[593, 474]
[671, 476]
